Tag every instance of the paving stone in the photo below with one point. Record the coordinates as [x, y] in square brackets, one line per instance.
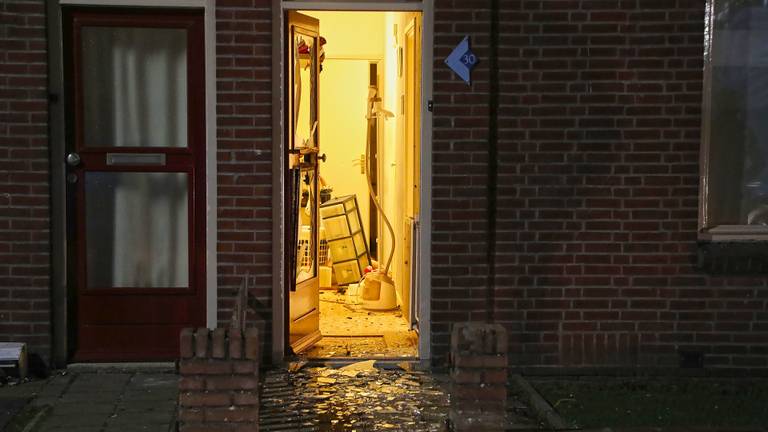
[70, 408]
[59, 428]
[111, 402]
[147, 406]
[140, 428]
[44, 401]
[140, 418]
[83, 419]
[9, 407]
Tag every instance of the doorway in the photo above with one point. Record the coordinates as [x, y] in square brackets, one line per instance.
[352, 130]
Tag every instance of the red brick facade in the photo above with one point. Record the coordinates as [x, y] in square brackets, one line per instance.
[244, 138]
[478, 383]
[219, 380]
[25, 214]
[598, 131]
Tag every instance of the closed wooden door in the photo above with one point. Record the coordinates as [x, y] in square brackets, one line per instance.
[136, 180]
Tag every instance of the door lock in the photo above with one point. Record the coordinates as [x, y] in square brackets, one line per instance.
[73, 159]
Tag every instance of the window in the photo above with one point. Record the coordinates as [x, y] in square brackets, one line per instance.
[734, 185]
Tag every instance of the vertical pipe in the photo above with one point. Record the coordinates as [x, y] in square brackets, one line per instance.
[493, 155]
[56, 129]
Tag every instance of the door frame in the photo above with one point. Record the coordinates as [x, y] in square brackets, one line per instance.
[279, 8]
[61, 297]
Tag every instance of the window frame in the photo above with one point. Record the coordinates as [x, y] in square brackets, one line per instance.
[706, 230]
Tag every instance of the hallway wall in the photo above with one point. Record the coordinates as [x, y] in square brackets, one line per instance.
[393, 158]
[354, 40]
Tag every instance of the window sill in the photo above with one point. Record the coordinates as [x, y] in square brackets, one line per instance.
[735, 233]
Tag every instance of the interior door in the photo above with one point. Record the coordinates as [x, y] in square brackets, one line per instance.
[135, 180]
[302, 121]
[412, 154]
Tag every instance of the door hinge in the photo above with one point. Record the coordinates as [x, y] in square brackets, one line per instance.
[430, 105]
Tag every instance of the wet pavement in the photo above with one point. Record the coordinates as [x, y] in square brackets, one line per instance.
[105, 401]
[367, 399]
[362, 396]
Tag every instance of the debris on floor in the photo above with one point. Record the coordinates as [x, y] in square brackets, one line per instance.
[295, 366]
[350, 331]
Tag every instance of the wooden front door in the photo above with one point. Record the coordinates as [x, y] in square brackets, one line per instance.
[135, 180]
[302, 200]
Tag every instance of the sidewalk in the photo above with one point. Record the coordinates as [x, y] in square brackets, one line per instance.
[324, 398]
[312, 398]
[104, 401]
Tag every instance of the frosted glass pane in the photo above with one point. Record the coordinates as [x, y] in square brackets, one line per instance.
[134, 87]
[738, 136]
[136, 229]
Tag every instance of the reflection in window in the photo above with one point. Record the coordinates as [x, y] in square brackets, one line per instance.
[737, 191]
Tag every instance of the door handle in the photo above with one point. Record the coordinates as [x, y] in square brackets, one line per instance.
[73, 159]
[323, 157]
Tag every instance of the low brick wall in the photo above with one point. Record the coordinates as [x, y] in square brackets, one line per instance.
[478, 383]
[219, 380]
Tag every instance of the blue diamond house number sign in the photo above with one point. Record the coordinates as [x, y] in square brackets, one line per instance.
[462, 60]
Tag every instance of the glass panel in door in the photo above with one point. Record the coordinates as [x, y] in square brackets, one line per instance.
[305, 146]
[134, 87]
[137, 231]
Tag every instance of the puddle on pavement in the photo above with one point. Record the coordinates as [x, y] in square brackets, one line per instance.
[358, 397]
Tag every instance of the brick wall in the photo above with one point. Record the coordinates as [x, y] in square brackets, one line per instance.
[24, 179]
[244, 133]
[600, 113]
[460, 167]
[599, 128]
[219, 380]
[478, 377]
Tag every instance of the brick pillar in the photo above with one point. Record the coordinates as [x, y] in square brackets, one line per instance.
[219, 380]
[478, 377]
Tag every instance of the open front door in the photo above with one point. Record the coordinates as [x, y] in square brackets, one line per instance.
[302, 121]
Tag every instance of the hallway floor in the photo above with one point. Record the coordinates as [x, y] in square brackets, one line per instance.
[350, 331]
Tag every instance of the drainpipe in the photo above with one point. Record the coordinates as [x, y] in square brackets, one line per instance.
[493, 159]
